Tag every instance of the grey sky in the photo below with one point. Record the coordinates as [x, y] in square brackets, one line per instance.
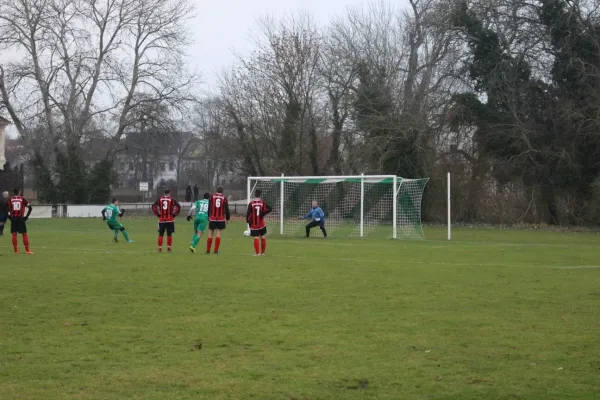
[226, 25]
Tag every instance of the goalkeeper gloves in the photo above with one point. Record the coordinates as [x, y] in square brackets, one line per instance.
[189, 218]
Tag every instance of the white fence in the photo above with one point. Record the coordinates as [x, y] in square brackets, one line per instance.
[95, 211]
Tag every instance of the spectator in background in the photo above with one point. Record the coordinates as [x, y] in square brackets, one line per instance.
[196, 190]
[188, 193]
[3, 212]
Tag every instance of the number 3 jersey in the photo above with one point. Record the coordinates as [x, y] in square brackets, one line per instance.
[218, 208]
[255, 216]
[166, 209]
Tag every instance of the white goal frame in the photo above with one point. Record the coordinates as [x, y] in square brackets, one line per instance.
[396, 183]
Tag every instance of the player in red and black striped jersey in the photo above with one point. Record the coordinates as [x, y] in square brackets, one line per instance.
[16, 213]
[255, 216]
[166, 208]
[218, 216]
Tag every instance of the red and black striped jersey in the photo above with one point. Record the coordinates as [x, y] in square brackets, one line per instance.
[257, 209]
[218, 208]
[17, 206]
[166, 209]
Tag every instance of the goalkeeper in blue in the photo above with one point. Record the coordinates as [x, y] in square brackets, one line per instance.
[317, 217]
[110, 214]
[200, 210]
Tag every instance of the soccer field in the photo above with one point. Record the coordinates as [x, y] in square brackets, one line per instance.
[494, 314]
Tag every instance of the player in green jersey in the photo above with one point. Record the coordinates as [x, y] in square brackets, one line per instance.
[110, 214]
[200, 209]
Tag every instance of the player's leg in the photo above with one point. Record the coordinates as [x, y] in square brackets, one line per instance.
[14, 230]
[2, 224]
[255, 234]
[322, 226]
[170, 232]
[161, 233]
[114, 230]
[220, 227]
[194, 236]
[211, 231]
[309, 226]
[125, 234]
[263, 241]
[199, 228]
[25, 236]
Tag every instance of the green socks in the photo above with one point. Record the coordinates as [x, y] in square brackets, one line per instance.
[116, 234]
[195, 241]
[125, 235]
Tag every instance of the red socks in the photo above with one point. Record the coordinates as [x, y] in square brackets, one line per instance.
[15, 242]
[160, 241]
[256, 248]
[209, 244]
[169, 240]
[263, 243]
[26, 241]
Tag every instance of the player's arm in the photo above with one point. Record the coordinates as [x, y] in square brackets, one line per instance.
[29, 208]
[226, 205]
[104, 214]
[176, 208]
[191, 212]
[249, 212]
[306, 216]
[267, 209]
[155, 208]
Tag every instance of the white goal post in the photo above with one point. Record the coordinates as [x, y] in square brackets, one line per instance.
[354, 206]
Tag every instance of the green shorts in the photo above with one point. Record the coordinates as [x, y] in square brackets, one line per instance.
[200, 225]
[114, 226]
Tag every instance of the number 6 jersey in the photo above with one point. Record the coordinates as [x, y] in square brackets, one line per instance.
[218, 208]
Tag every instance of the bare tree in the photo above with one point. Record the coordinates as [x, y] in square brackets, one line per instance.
[271, 98]
[91, 59]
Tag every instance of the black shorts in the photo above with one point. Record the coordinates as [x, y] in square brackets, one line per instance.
[17, 225]
[258, 232]
[168, 227]
[214, 225]
[3, 217]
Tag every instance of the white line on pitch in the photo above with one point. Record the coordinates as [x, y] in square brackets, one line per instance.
[63, 250]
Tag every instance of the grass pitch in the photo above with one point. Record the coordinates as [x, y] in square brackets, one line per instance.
[491, 315]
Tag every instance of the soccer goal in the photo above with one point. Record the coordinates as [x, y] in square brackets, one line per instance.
[354, 206]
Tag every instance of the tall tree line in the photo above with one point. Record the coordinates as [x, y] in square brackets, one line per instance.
[502, 94]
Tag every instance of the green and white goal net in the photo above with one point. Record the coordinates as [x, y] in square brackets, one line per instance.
[354, 206]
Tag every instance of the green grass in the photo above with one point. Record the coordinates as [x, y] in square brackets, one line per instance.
[491, 315]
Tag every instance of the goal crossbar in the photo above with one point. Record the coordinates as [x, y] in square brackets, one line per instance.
[357, 204]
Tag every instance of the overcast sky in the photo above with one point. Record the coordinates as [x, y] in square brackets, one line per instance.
[225, 25]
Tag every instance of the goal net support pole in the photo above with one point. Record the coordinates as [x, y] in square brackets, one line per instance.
[449, 198]
[355, 206]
